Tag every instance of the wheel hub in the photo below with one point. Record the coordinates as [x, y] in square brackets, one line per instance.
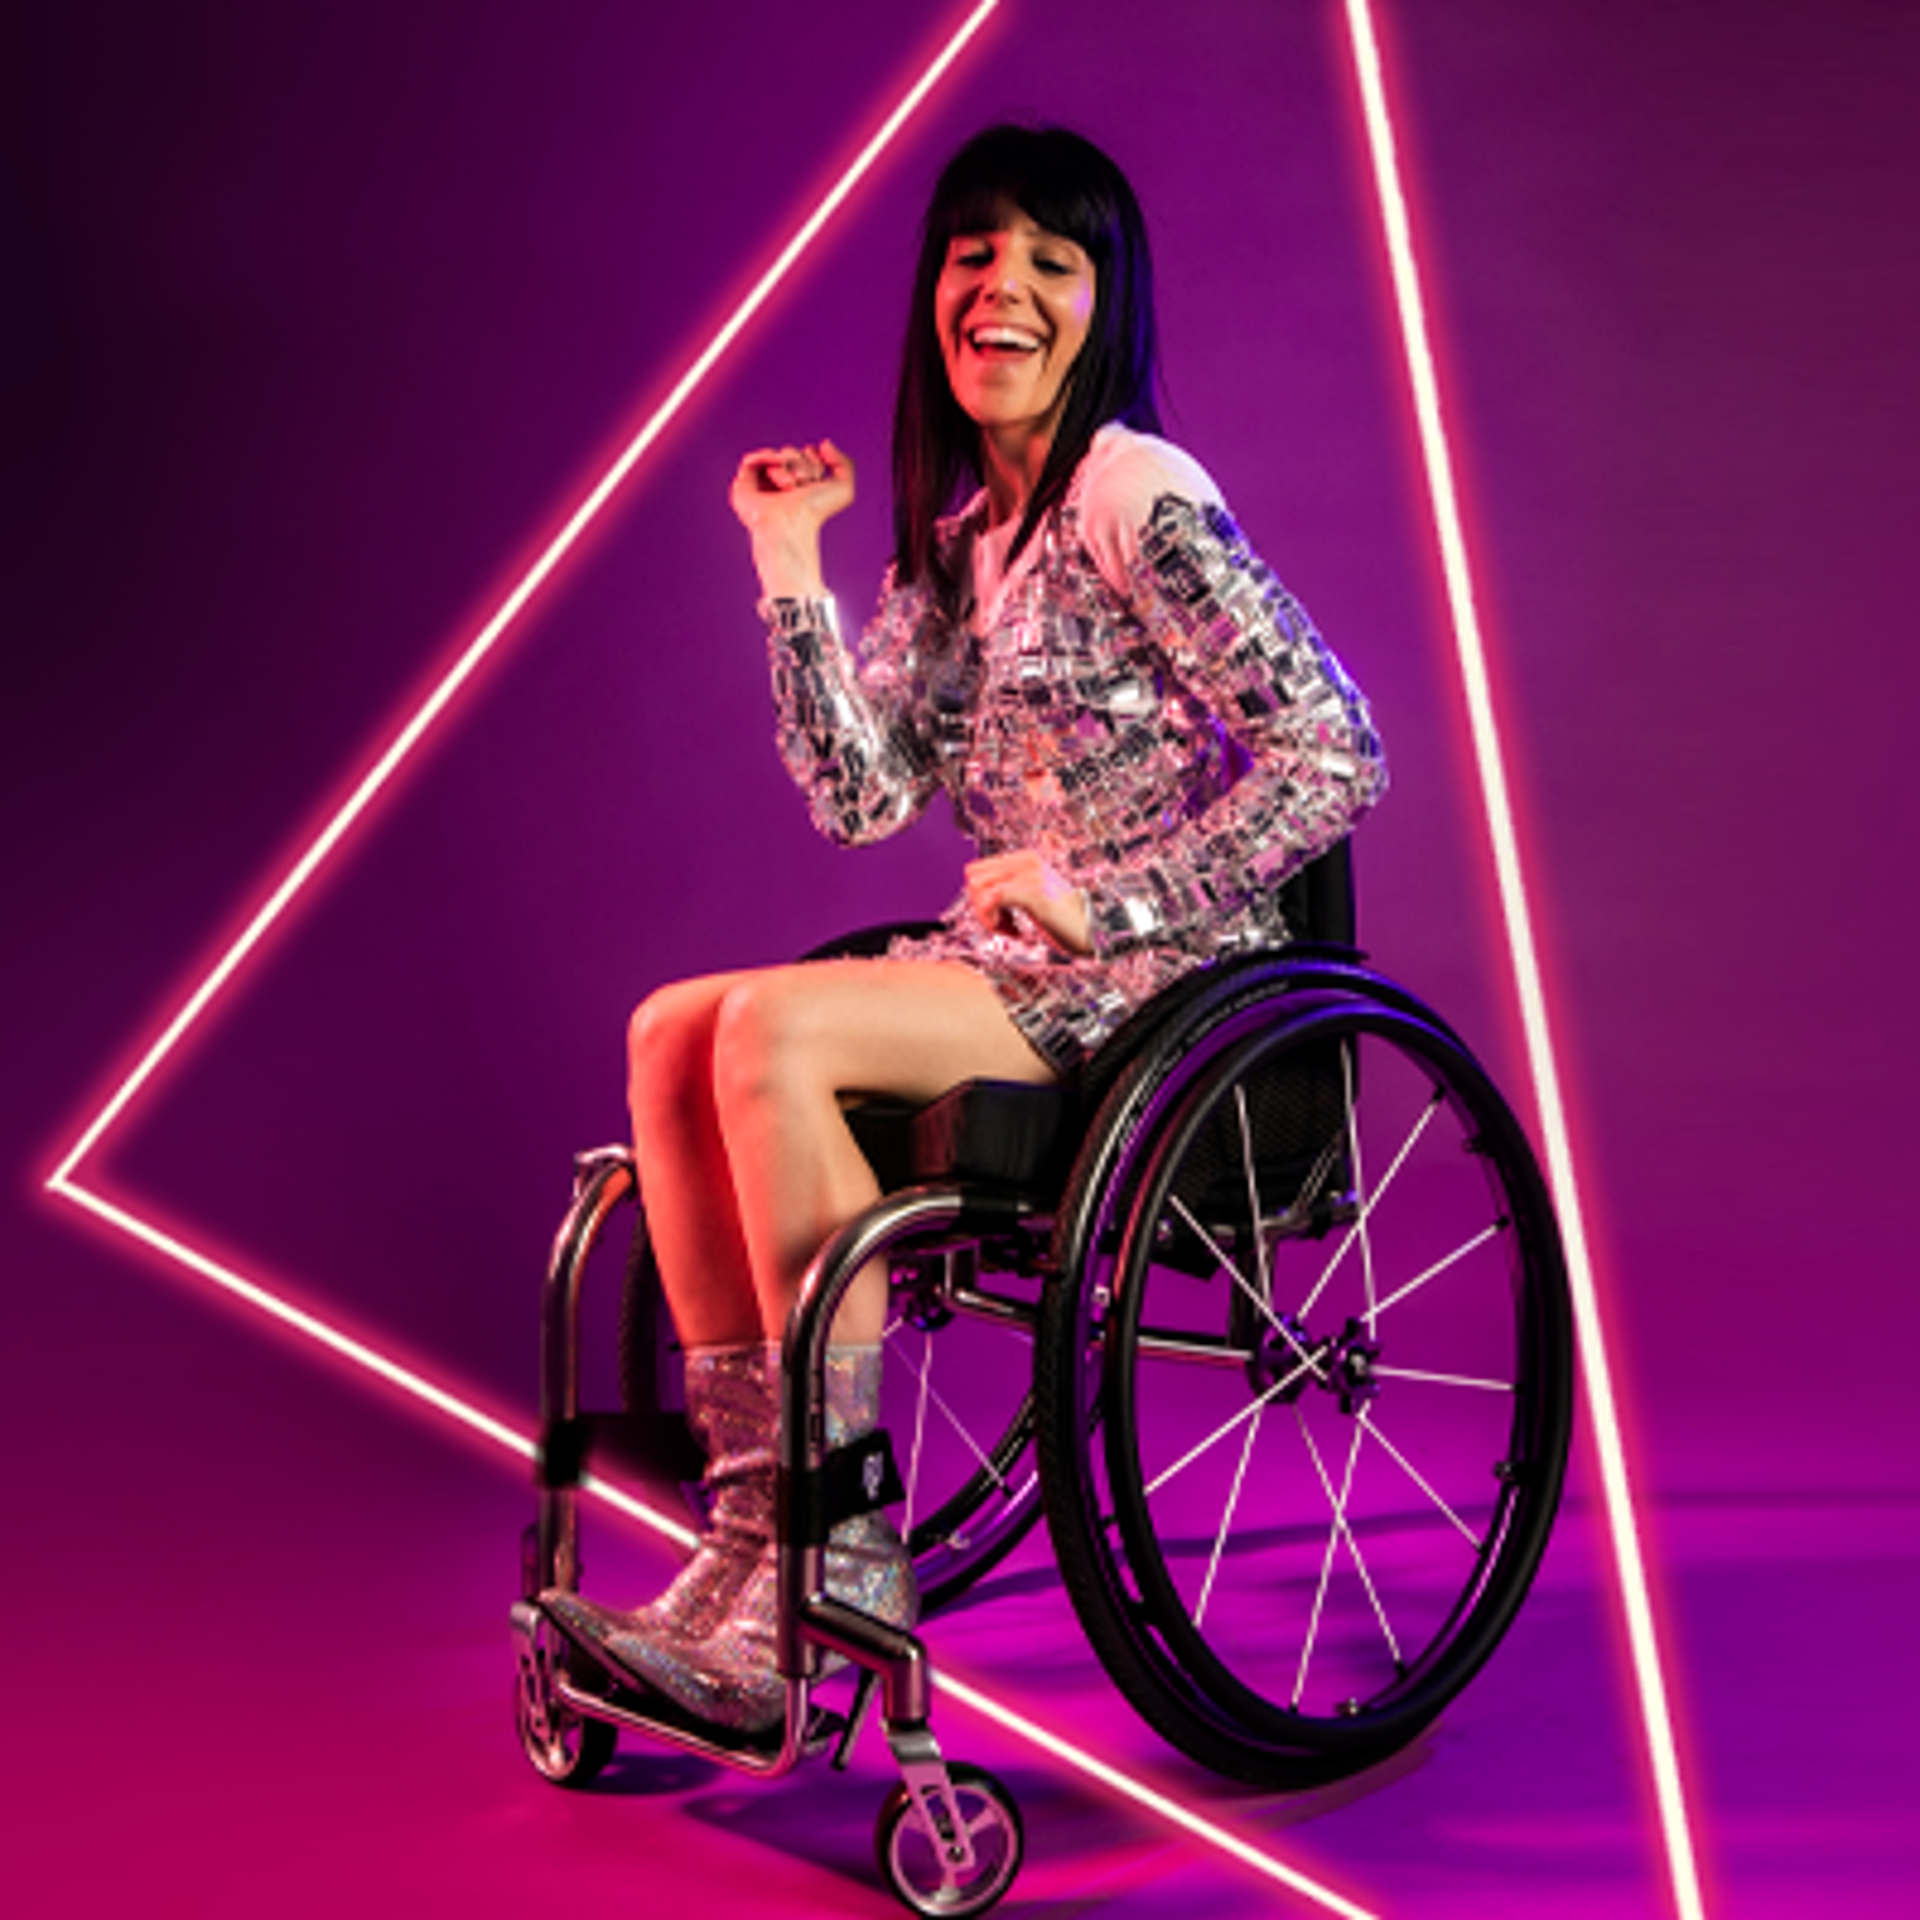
[1343, 1364]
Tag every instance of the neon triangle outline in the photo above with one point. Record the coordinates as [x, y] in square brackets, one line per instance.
[1623, 1528]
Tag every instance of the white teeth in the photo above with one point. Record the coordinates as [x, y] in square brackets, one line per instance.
[1003, 337]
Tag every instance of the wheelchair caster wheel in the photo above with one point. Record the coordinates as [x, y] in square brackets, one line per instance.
[916, 1865]
[564, 1747]
[568, 1750]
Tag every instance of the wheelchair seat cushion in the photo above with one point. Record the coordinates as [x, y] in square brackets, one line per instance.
[999, 1131]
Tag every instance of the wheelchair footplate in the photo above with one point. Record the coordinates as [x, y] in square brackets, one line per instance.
[590, 1682]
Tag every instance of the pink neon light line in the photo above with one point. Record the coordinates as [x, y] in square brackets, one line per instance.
[1623, 1527]
[327, 841]
[1151, 1798]
[488, 1426]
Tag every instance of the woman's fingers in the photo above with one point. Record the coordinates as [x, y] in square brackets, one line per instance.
[792, 486]
[783, 468]
[774, 469]
[1004, 885]
[817, 479]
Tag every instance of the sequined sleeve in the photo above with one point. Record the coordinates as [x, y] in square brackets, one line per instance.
[1239, 642]
[851, 733]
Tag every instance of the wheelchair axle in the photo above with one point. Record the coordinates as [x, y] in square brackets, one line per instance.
[1288, 1358]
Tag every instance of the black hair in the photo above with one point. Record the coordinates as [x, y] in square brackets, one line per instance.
[1065, 184]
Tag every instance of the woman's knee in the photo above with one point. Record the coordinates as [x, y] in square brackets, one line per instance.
[670, 1040]
[761, 1034]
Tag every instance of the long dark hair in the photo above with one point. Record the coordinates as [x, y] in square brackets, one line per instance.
[1067, 185]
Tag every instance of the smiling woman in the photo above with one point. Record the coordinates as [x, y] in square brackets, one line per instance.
[1137, 726]
[1012, 308]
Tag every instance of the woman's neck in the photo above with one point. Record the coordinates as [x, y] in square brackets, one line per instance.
[1011, 463]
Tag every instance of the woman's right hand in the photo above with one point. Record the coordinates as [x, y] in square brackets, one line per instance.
[780, 487]
[783, 496]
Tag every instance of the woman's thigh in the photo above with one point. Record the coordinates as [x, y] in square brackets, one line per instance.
[906, 1028]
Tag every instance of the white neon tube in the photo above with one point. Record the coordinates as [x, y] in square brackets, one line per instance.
[1622, 1525]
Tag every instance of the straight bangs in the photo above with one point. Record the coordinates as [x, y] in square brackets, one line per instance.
[979, 205]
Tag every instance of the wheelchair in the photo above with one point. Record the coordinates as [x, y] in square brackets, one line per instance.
[1267, 1313]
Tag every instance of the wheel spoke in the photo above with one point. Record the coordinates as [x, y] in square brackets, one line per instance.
[1414, 1474]
[1370, 1201]
[1246, 1413]
[1307, 1362]
[987, 1820]
[1353, 1544]
[981, 1457]
[1315, 1183]
[1255, 1213]
[1440, 1266]
[932, 1396]
[1226, 1519]
[1327, 1553]
[1443, 1379]
[1361, 1226]
[925, 1370]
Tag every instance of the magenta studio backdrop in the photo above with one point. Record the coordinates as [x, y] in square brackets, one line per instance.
[321, 320]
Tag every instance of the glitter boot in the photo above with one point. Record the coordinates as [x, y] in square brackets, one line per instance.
[733, 1407]
[729, 1678]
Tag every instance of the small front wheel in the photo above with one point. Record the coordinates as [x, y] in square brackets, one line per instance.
[564, 1747]
[917, 1865]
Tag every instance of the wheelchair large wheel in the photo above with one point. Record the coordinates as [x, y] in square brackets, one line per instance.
[956, 1396]
[1306, 1381]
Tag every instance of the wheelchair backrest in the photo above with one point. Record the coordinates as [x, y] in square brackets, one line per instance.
[1318, 898]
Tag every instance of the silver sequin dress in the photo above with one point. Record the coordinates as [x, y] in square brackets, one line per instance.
[1140, 701]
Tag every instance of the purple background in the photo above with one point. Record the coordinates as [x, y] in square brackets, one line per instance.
[320, 317]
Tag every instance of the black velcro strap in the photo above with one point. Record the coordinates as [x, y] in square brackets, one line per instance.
[852, 1480]
[647, 1443]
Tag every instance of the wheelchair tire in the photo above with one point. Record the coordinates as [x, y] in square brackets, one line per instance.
[1306, 1378]
[959, 1407]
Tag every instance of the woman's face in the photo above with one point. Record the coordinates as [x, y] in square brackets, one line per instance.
[1012, 308]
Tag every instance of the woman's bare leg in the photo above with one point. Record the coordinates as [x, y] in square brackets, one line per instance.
[746, 1160]
[686, 1183]
[788, 1043]
[747, 1164]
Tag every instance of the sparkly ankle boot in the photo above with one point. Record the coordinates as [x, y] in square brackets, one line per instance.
[729, 1678]
[733, 1407]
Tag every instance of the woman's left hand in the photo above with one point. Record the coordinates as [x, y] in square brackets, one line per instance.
[1006, 883]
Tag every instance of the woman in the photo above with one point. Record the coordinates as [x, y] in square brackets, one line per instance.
[1137, 726]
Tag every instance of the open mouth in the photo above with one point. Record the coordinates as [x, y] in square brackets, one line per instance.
[1003, 342]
